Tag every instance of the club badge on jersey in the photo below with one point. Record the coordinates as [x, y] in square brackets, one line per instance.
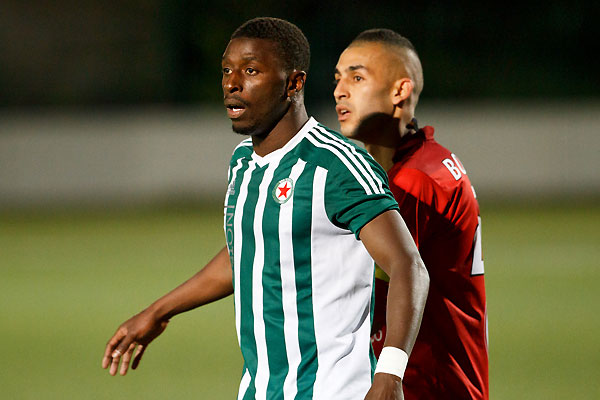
[283, 190]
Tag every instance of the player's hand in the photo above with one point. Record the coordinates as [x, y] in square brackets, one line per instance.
[134, 334]
[385, 387]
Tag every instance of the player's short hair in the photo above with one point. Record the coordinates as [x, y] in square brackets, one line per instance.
[293, 45]
[387, 36]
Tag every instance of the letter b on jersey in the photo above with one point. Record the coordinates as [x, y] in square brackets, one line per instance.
[455, 167]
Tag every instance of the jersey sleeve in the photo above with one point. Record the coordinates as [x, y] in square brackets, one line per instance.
[356, 193]
[242, 150]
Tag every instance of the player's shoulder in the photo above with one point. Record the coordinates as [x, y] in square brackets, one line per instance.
[430, 161]
[331, 150]
[423, 152]
[242, 150]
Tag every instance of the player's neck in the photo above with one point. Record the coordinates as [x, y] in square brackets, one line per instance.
[384, 150]
[287, 127]
[381, 140]
[384, 155]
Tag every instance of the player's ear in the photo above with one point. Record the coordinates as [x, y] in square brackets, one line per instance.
[401, 90]
[295, 83]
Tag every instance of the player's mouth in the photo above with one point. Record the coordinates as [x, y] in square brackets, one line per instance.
[235, 107]
[235, 112]
[343, 112]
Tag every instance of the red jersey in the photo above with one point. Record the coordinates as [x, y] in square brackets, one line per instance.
[449, 359]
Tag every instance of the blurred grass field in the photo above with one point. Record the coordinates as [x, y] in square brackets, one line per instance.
[68, 279]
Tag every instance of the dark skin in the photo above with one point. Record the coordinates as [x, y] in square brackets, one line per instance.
[266, 102]
[407, 293]
[270, 99]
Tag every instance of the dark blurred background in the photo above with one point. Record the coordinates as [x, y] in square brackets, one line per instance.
[116, 102]
[92, 52]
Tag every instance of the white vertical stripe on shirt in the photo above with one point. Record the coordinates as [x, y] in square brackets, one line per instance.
[288, 289]
[341, 304]
[245, 382]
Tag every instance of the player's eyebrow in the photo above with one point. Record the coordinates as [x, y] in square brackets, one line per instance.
[352, 68]
[249, 57]
[356, 67]
[245, 57]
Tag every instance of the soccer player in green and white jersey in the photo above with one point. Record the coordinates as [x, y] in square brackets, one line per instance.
[305, 214]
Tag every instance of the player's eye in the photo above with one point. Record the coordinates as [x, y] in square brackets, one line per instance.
[358, 78]
[251, 71]
[226, 70]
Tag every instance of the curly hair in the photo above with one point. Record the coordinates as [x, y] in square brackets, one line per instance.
[291, 42]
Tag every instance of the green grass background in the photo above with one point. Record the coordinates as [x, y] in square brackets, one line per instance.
[69, 278]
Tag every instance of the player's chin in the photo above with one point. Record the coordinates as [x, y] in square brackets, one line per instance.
[347, 129]
[242, 127]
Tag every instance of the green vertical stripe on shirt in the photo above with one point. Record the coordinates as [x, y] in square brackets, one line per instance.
[301, 228]
[250, 392]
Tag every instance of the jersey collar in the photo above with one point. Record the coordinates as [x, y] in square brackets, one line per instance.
[408, 142]
[279, 153]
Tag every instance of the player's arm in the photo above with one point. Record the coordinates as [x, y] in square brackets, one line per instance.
[392, 247]
[211, 283]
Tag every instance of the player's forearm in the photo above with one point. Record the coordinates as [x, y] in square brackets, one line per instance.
[211, 283]
[407, 294]
[392, 247]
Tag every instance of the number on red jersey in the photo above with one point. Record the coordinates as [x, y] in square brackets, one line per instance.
[477, 267]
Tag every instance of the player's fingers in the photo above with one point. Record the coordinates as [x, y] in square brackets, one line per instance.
[106, 358]
[117, 354]
[115, 357]
[126, 359]
[138, 356]
[111, 346]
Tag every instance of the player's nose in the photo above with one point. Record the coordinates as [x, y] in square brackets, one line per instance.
[340, 90]
[232, 83]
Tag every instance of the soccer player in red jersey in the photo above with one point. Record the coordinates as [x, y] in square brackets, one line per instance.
[378, 82]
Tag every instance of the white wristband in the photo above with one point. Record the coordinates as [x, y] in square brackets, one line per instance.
[392, 360]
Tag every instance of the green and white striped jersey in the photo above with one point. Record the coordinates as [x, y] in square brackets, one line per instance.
[303, 282]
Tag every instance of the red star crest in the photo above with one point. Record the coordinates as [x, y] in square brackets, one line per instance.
[283, 190]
